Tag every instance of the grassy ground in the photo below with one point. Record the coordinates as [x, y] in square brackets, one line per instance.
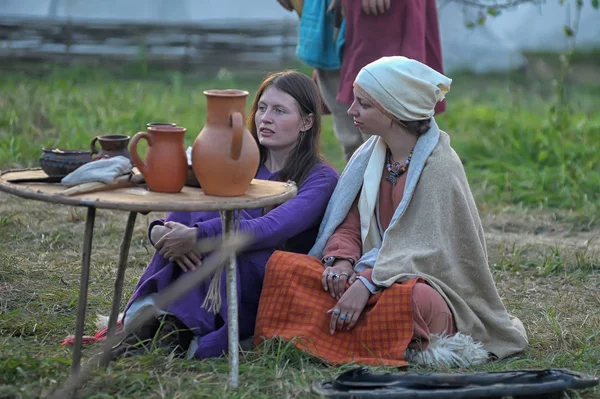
[534, 173]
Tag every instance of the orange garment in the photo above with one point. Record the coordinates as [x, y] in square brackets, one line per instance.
[431, 315]
[293, 306]
[346, 241]
[431, 312]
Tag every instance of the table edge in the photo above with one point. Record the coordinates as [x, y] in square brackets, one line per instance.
[145, 207]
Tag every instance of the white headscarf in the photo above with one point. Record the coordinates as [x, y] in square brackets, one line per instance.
[405, 88]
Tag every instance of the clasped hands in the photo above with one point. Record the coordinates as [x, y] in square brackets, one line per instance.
[351, 301]
[177, 243]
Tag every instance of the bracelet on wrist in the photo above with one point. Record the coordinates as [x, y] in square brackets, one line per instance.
[330, 260]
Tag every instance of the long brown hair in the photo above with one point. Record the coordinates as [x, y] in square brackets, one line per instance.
[305, 153]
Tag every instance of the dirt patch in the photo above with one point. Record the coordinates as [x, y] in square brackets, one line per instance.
[581, 71]
[40, 255]
[540, 229]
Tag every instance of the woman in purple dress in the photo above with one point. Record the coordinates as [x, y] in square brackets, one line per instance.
[285, 120]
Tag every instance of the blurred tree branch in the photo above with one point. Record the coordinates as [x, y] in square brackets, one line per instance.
[493, 8]
[506, 4]
[494, 4]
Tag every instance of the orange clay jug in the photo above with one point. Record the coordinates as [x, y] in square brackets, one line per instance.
[225, 156]
[165, 165]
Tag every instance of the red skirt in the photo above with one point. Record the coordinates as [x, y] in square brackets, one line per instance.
[293, 306]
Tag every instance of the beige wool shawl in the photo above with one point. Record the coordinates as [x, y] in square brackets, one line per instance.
[435, 234]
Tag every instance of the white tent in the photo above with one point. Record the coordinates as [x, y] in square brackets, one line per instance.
[148, 10]
[542, 27]
[481, 48]
[496, 45]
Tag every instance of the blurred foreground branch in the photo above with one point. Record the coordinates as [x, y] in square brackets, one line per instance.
[223, 250]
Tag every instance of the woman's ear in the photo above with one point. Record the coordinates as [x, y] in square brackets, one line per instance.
[307, 123]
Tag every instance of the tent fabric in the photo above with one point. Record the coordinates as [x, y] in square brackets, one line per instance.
[494, 46]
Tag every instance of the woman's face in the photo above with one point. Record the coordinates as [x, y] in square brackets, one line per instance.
[278, 120]
[367, 117]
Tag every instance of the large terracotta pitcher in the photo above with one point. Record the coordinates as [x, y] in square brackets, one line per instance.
[165, 165]
[225, 156]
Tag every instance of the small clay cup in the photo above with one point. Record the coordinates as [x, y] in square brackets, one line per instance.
[161, 124]
[112, 145]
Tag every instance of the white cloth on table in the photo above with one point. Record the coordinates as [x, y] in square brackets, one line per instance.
[103, 170]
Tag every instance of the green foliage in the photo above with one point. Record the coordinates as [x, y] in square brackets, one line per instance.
[529, 141]
[519, 158]
[523, 140]
[493, 11]
[520, 145]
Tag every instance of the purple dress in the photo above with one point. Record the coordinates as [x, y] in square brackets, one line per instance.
[294, 224]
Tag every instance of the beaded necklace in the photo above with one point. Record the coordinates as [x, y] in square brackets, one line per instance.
[394, 168]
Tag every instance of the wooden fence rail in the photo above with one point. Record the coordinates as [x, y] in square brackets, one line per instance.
[231, 44]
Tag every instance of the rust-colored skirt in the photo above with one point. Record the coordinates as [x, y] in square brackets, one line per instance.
[293, 306]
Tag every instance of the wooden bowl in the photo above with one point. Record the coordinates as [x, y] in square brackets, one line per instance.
[61, 162]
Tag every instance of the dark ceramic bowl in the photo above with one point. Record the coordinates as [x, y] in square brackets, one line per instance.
[191, 180]
[60, 162]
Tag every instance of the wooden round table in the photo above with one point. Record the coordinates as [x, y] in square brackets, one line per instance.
[260, 194]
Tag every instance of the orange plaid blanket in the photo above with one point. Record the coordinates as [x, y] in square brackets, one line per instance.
[293, 306]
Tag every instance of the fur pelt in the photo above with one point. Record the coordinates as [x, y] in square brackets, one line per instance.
[458, 350]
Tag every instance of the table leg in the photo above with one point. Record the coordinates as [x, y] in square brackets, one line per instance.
[124, 254]
[227, 218]
[83, 288]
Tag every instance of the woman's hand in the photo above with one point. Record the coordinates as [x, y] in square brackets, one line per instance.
[189, 261]
[375, 7]
[157, 233]
[349, 308]
[181, 240]
[334, 278]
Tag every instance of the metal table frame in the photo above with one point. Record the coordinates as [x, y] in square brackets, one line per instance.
[279, 193]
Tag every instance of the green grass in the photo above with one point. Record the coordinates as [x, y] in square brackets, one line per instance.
[536, 172]
[40, 248]
[516, 151]
[66, 108]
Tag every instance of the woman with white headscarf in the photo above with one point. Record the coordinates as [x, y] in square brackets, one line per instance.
[399, 270]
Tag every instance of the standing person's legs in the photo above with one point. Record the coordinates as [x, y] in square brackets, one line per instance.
[347, 134]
